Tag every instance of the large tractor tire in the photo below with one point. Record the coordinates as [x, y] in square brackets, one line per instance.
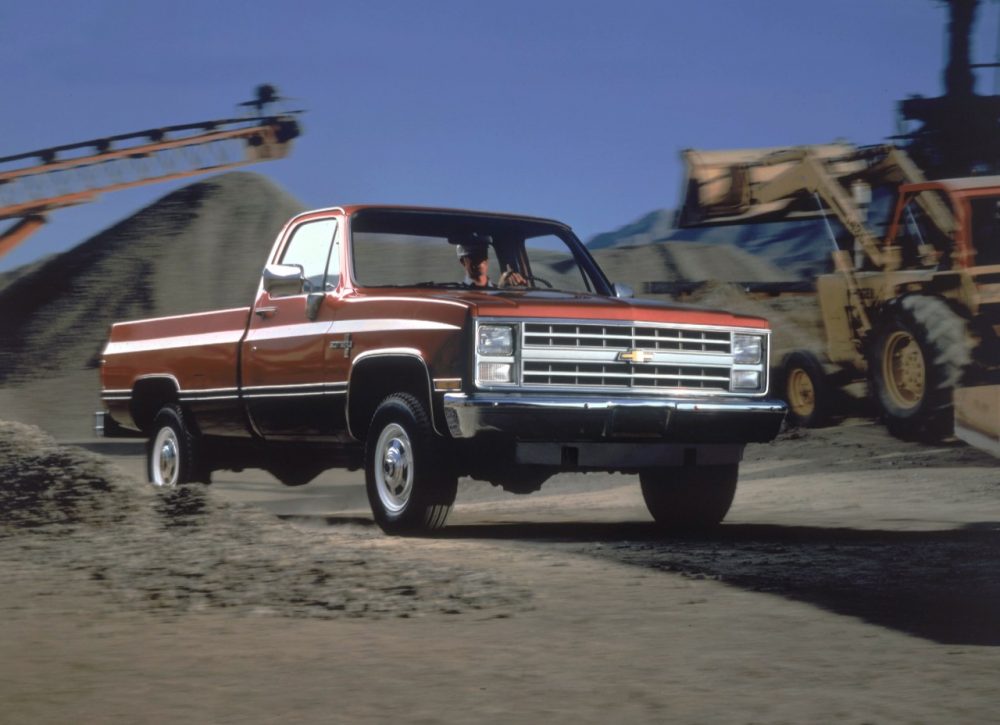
[807, 390]
[410, 481]
[917, 356]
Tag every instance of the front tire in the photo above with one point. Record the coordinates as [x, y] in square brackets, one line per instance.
[173, 453]
[410, 480]
[690, 497]
[917, 357]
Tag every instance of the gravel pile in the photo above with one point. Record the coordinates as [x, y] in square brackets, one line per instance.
[70, 513]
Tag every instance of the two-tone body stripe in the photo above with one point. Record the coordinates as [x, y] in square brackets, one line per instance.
[295, 329]
[301, 329]
[187, 396]
[116, 395]
[388, 323]
[342, 327]
[422, 300]
[304, 329]
[294, 391]
[227, 337]
[255, 392]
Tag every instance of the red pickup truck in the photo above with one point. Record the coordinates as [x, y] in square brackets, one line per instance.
[364, 348]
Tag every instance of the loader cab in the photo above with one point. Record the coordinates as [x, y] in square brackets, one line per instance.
[958, 218]
[924, 229]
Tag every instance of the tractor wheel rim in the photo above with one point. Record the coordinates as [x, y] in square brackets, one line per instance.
[801, 393]
[904, 370]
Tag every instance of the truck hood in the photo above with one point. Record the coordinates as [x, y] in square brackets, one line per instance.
[556, 304]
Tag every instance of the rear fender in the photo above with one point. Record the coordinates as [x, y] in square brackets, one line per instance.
[149, 394]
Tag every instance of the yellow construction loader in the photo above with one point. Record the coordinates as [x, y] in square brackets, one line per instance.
[914, 311]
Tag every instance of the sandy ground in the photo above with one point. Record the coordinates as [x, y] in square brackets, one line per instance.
[856, 579]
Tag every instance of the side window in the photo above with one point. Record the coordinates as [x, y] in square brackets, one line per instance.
[553, 264]
[309, 248]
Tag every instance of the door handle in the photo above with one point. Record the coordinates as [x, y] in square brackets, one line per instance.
[265, 311]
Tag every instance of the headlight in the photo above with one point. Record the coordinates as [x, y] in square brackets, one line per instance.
[496, 340]
[747, 349]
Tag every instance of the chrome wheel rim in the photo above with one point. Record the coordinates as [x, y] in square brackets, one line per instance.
[904, 370]
[394, 468]
[165, 465]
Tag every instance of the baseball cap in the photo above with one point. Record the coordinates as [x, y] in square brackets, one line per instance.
[473, 244]
[476, 250]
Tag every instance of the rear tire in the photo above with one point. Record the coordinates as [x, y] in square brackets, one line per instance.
[807, 391]
[917, 357]
[173, 453]
[410, 480]
[691, 497]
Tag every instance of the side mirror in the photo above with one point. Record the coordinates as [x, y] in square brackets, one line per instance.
[623, 291]
[282, 280]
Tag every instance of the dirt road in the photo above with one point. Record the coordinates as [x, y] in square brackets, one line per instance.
[857, 579]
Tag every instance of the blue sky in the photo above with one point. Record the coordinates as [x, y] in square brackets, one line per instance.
[574, 110]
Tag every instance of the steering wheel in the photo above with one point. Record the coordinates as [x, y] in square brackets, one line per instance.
[533, 278]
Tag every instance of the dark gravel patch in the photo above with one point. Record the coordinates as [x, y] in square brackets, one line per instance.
[943, 586]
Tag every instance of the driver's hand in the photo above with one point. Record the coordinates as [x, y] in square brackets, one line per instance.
[512, 278]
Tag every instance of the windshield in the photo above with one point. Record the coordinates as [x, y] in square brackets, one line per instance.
[394, 248]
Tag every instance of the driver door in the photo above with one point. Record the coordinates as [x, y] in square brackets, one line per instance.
[284, 355]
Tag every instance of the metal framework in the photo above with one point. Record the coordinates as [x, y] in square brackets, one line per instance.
[34, 183]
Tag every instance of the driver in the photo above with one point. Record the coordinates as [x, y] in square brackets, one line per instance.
[474, 256]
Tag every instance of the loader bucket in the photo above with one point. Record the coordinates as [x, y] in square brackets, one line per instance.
[977, 417]
[719, 185]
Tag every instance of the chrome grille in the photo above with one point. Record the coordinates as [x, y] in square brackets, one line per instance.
[587, 355]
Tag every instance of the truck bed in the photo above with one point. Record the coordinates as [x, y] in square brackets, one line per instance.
[200, 351]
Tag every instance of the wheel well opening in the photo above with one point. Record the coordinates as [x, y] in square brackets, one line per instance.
[148, 396]
[376, 378]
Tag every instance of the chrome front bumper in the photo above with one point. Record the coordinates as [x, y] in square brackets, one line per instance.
[594, 418]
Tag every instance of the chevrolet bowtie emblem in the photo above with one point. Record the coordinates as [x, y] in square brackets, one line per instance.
[635, 356]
